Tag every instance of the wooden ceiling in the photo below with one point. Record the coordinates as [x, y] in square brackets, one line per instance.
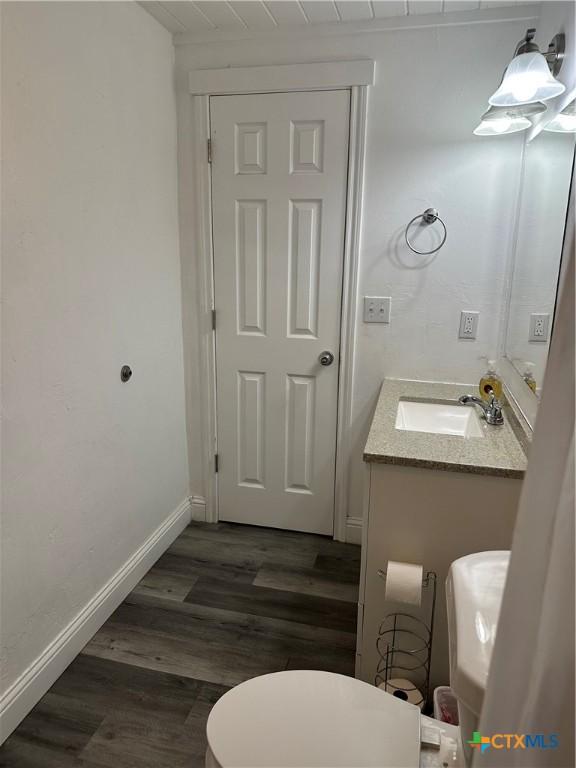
[258, 16]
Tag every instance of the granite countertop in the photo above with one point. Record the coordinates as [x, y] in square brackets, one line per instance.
[501, 452]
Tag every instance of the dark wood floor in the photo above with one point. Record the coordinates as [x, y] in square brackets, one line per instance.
[223, 604]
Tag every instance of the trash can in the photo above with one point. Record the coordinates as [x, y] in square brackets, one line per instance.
[445, 705]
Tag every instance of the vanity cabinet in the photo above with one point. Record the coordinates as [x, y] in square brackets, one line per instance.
[431, 517]
[430, 501]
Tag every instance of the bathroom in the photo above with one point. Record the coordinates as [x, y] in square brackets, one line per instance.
[213, 465]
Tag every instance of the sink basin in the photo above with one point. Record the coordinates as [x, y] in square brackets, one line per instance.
[438, 418]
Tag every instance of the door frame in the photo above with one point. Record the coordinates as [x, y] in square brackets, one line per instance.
[355, 76]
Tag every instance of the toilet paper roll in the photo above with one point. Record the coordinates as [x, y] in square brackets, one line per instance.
[404, 583]
[404, 690]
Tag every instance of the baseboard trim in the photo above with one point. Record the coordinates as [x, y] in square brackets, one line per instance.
[29, 688]
[198, 506]
[354, 530]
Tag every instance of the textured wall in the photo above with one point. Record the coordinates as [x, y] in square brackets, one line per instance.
[91, 280]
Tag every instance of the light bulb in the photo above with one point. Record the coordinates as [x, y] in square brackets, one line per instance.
[567, 122]
[522, 88]
[501, 125]
[562, 124]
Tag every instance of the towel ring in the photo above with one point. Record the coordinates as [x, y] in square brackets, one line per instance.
[429, 216]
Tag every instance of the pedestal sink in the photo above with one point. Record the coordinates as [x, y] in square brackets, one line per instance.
[438, 418]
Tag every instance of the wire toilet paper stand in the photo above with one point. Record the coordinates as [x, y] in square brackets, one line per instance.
[404, 646]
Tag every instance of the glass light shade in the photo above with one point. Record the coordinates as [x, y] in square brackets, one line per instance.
[499, 120]
[527, 79]
[502, 125]
[564, 122]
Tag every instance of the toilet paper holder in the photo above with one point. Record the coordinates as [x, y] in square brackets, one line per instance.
[404, 646]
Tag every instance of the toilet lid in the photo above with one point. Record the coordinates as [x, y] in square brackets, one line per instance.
[308, 718]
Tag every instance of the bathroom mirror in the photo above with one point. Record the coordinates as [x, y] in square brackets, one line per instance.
[536, 264]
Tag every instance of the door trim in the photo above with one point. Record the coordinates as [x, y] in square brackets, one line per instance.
[318, 76]
[353, 230]
[316, 79]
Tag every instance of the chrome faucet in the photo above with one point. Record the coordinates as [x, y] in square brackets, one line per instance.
[492, 409]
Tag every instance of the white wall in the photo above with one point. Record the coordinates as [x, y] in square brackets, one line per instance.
[91, 278]
[432, 86]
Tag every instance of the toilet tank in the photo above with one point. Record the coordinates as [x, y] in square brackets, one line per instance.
[474, 589]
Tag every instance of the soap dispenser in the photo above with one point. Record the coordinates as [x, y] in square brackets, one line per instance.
[490, 383]
[528, 376]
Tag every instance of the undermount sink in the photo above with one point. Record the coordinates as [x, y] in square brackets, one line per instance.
[438, 418]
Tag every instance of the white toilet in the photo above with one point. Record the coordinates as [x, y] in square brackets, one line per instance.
[308, 719]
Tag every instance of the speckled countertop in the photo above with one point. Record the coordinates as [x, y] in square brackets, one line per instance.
[500, 452]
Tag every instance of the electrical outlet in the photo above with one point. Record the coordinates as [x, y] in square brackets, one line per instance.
[539, 327]
[377, 309]
[468, 325]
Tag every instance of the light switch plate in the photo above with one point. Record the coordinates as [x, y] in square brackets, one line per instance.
[468, 325]
[539, 327]
[377, 309]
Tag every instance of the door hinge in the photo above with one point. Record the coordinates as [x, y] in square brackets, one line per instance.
[213, 319]
[209, 149]
[216, 463]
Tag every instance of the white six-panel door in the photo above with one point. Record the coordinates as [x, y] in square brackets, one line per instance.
[279, 167]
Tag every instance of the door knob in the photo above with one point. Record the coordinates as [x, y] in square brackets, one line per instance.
[326, 358]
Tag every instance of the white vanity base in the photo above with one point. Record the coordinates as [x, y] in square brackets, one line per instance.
[433, 517]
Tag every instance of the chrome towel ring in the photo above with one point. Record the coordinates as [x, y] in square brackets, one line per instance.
[429, 216]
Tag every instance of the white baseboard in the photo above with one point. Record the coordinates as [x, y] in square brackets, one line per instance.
[29, 688]
[198, 506]
[354, 530]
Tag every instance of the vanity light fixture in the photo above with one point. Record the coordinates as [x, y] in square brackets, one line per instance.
[497, 121]
[564, 122]
[531, 75]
